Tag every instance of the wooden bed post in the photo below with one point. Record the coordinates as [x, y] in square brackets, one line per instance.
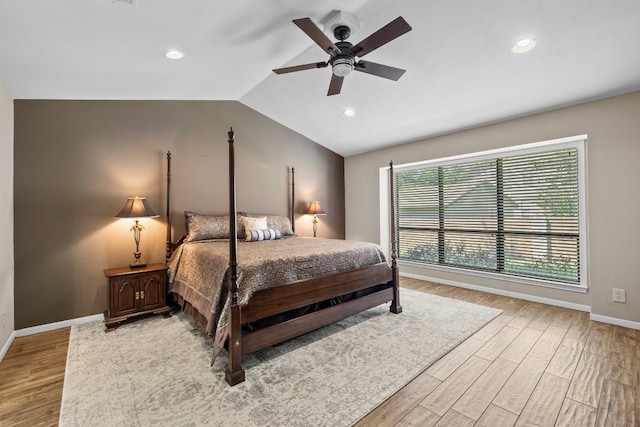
[395, 303]
[169, 237]
[293, 200]
[234, 373]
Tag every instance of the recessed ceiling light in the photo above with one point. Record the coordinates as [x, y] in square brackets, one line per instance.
[174, 54]
[349, 112]
[523, 46]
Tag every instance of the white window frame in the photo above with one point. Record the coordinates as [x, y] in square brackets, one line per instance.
[577, 142]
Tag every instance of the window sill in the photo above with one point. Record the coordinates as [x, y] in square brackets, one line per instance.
[501, 277]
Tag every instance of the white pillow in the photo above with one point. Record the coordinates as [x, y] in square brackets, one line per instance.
[257, 223]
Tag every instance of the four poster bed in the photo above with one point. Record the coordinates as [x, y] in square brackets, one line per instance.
[251, 283]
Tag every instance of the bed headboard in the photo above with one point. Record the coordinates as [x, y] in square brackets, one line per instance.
[170, 244]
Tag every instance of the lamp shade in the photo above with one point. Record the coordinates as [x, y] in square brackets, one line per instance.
[137, 207]
[315, 208]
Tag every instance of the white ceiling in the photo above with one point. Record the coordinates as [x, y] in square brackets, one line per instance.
[460, 70]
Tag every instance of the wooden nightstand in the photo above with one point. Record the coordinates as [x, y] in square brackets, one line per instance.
[134, 292]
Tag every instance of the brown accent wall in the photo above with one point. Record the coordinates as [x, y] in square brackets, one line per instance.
[76, 162]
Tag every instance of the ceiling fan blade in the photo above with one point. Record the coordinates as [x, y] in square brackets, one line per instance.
[384, 35]
[335, 85]
[316, 34]
[385, 71]
[300, 67]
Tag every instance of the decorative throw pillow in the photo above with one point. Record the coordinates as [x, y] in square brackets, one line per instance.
[258, 235]
[254, 223]
[280, 222]
[276, 222]
[205, 227]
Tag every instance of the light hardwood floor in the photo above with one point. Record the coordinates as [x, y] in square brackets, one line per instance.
[31, 379]
[532, 365]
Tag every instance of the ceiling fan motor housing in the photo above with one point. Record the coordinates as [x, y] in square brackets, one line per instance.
[342, 32]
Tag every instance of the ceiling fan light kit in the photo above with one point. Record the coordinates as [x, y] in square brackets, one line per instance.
[345, 57]
[342, 66]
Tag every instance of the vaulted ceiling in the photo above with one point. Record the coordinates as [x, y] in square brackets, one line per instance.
[461, 72]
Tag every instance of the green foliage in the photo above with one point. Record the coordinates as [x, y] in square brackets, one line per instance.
[423, 252]
[416, 177]
[555, 268]
[558, 183]
[456, 255]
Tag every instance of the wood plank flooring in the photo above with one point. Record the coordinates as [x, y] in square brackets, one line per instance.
[532, 365]
[31, 379]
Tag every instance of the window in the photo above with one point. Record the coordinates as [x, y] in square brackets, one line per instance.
[517, 212]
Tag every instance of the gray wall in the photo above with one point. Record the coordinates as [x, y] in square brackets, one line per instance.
[613, 198]
[6, 216]
[76, 162]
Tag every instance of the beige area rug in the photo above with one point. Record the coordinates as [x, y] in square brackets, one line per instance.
[156, 372]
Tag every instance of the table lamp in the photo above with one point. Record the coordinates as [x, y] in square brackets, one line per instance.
[136, 208]
[315, 208]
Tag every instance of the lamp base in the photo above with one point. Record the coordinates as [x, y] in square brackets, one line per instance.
[137, 263]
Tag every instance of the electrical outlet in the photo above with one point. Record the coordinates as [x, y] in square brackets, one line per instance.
[619, 295]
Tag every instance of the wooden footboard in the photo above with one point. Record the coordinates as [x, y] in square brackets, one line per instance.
[275, 334]
[301, 294]
[304, 293]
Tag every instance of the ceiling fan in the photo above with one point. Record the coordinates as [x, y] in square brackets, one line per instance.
[345, 57]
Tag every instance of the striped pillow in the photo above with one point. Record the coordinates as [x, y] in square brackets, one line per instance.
[257, 235]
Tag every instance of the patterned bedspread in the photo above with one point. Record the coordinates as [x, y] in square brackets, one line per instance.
[197, 269]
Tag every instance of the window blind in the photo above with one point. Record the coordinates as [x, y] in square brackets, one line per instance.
[514, 214]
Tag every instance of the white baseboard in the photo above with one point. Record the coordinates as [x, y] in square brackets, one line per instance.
[580, 307]
[57, 325]
[48, 327]
[615, 321]
[6, 345]
[518, 295]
